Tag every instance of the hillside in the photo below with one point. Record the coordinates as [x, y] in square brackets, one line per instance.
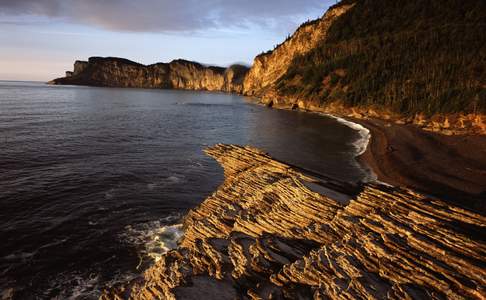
[416, 61]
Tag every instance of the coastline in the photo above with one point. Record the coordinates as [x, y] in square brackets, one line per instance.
[285, 228]
[450, 167]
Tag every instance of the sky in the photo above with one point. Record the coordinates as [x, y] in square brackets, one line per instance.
[41, 39]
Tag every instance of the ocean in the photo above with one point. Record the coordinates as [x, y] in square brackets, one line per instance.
[94, 181]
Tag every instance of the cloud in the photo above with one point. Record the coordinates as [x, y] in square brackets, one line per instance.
[169, 15]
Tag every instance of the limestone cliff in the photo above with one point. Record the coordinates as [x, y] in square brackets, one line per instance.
[179, 74]
[272, 231]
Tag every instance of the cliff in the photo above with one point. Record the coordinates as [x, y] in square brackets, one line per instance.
[420, 62]
[178, 74]
[269, 67]
[272, 231]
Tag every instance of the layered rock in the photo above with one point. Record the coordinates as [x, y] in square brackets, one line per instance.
[279, 232]
[179, 74]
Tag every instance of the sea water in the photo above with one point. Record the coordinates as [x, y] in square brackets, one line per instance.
[94, 181]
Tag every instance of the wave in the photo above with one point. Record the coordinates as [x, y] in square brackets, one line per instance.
[364, 134]
[199, 104]
[74, 286]
[167, 181]
[153, 239]
[360, 144]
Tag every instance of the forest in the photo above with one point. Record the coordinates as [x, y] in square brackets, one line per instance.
[413, 56]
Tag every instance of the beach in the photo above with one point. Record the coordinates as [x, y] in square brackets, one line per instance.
[452, 168]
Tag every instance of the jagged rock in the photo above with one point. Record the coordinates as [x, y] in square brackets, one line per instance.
[264, 234]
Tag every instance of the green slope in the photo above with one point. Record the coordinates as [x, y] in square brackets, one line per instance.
[406, 56]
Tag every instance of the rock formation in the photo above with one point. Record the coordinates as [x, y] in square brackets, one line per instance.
[272, 231]
[179, 74]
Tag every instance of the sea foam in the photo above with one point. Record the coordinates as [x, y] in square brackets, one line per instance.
[360, 144]
[363, 140]
[153, 239]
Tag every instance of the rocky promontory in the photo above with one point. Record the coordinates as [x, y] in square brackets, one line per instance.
[178, 74]
[272, 231]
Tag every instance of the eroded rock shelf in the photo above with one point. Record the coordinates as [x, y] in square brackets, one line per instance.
[264, 234]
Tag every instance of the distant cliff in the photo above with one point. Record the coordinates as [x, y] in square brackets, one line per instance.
[178, 74]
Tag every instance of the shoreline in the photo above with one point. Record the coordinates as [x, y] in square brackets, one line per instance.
[452, 168]
[449, 167]
[361, 145]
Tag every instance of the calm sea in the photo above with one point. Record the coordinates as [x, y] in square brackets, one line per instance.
[94, 180]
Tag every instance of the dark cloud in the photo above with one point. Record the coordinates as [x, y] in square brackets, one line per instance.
[168, 15]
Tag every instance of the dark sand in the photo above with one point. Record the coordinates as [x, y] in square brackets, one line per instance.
[450, 167]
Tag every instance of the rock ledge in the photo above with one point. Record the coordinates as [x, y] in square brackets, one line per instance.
[272, 231]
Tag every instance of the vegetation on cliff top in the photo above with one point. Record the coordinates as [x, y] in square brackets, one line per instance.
[408, 56]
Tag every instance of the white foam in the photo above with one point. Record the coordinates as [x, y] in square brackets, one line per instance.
[74, 286]
[360, 144]
[22, 256]
[153, 239]
[163, 240]
[174, 179]
[364, 134]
